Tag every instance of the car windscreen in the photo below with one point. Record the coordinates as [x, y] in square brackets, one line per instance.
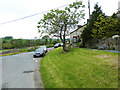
[38, 50]
[43, 47]
[57, 44]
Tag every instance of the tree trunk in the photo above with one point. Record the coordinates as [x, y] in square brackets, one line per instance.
[64, 41]
[64, 46]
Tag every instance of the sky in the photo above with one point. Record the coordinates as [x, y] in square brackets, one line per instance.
[27, 28]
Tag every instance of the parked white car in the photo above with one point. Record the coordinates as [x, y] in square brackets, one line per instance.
[39, 52]
[44, 48]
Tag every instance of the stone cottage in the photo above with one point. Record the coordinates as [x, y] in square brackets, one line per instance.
[77, 33]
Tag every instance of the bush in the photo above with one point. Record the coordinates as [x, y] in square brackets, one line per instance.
[111, 48]
[26, 50]
[23, 50]
[110, 34]
[79, 44]
[6, 45]
[29, 50]
[50, 45]
[108, 48]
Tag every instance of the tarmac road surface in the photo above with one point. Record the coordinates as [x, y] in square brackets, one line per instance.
[20, 71]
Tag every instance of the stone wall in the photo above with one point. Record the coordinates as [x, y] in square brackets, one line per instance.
[10, 51]
[108, 43]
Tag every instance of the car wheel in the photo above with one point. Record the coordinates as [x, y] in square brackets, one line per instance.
[34, 56]
[44, 54]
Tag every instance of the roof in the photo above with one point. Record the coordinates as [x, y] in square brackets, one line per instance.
[79, 26]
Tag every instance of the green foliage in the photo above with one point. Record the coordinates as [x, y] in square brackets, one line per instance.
[105, 27]
[23, 50]
[45, 37]
[29, 50]
[23, 43]
[20, 51]
[8, 37]
[114, 15]
[79, 44]
[58, 22]
[6, 45]
[50, 45]
[111, 33]
[50, 41]
[55, 41]
[87, 32]
[4, 50]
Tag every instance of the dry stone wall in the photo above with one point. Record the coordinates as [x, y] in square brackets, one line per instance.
[108, 43]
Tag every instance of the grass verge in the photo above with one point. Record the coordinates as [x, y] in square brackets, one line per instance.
[4, 50]
[21, 51]
[80, 68]
[11, 54]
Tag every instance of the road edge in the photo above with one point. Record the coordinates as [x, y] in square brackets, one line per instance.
[37, 75]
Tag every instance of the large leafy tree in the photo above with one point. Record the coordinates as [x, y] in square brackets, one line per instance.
[87, 33]
[105, 27]
[58, 22]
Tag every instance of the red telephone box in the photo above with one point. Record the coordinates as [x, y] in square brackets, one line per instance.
[74, 39]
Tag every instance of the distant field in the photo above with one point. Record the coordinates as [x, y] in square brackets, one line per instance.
[80, 68]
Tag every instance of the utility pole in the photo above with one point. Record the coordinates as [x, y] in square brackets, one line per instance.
[89, 7]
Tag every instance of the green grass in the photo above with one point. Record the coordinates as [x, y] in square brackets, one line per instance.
[4, 50]
[11, 54]
[80, 68]
[21, 51]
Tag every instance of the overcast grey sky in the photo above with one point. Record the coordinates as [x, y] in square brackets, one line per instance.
[27, 28]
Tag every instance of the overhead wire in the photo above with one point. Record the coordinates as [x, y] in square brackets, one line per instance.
[31, 15]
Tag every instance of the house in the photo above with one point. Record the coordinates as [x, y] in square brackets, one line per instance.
[76, 33]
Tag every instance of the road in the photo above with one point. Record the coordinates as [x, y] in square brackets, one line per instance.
[20, 71]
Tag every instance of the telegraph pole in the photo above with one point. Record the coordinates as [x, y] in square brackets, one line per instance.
[89, 7]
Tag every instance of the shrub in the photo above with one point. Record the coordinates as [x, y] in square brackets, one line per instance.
[79, 44]
[29, 50]
[23, 50]
[108, 48]
[111, 48]
[26, 50]
[50, 45]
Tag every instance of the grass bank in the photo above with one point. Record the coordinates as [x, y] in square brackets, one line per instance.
[20, 51]
[4, 50]
[23, 50]
[80, 68]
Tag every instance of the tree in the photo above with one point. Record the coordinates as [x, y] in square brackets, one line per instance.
[114, 15]
[58, 22]
[50, 40]
[46, 37]
[87, 32]
[6, 45]
[106, 27]
[8, 37]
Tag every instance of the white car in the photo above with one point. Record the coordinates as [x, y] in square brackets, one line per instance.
[44, 48]
[57, 45]
[39, 52]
